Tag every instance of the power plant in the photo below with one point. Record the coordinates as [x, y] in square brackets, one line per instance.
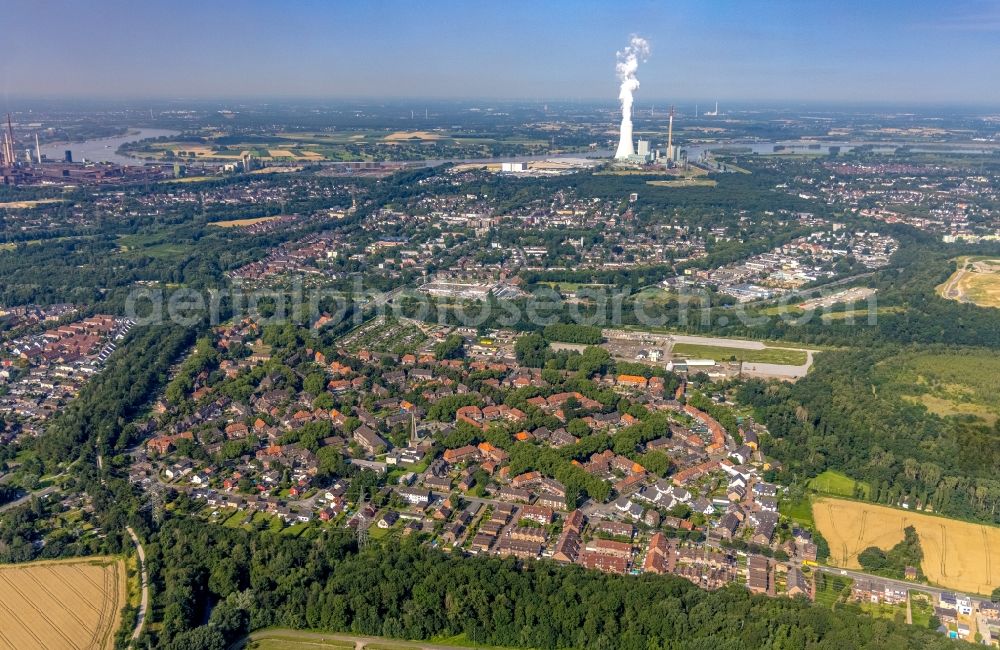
[671, 154]
[640, 153]
[628, 63]
[9, 157]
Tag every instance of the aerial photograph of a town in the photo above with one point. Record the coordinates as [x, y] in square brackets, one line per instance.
[539, 325]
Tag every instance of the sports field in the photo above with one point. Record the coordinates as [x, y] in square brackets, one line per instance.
[957, 554]
[72, 603]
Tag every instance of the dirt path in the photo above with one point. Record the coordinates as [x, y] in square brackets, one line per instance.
[144, 602]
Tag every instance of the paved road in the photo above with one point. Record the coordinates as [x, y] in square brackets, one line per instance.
[144, 603]
[27, 497]
[903, 584]
[753, 368]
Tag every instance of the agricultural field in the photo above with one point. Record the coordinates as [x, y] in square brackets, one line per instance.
[22, 205]
[335, 146]
[412, 135]
[784, 356]
[957, 554]
[72, 603]
[976, 280]
[238, 223]
[953, 383]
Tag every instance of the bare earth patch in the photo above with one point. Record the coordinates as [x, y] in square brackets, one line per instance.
[977, 280]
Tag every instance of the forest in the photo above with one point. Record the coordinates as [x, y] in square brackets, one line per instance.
[406, 590]
[845, 416]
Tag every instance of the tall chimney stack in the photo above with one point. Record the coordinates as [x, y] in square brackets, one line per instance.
[670, 135]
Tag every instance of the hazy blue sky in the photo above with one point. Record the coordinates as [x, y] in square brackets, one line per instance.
[898, 51]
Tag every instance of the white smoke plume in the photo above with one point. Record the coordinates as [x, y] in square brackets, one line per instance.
[628, 63]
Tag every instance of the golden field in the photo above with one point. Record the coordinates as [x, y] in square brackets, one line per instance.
[411, 135]
[957, 554]
[236, 223]
[19, 205]
[73, 603]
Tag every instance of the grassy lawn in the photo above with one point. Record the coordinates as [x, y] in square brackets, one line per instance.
[799, 511]
[289, 642]
[378, 533]
[655, 294]
[297, 530]
[922, 607]
[881, 610]
[154, 245]
[721, 353]
[236, 520]
[284, 639]
[838, 484]
[945, 407]
[684, 182]
[832, 589]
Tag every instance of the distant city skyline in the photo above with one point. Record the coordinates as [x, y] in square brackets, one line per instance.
[918, 52]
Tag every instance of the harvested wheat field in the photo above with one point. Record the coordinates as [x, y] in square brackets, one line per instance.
[72, 603]
[412, 135]
[237, 223]
[19, 205]
[957, 554]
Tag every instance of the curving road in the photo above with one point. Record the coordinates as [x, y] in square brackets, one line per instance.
[144, 603]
